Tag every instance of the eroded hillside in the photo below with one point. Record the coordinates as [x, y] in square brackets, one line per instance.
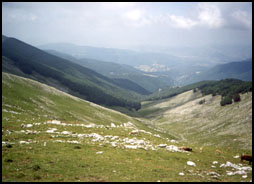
[209, 123]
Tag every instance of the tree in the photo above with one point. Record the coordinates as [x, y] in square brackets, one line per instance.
[236, 97]
[226, 100]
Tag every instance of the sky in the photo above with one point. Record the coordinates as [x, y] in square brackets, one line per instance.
[129, 24]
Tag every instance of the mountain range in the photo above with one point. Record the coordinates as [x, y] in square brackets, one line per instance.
[25, 60]
[178, 71]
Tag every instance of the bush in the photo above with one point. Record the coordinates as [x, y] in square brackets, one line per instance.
[201, 101]
[236, 98]
[225, 101]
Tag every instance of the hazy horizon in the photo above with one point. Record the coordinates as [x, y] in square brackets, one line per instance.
[129, 25]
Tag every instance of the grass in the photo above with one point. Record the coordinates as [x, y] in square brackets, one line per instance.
[25, 101]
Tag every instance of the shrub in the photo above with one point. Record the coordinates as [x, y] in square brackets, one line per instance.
[236, 98]
[225, 101]
[201, 101]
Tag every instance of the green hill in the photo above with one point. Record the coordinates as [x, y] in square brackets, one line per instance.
[25, 60]
[49, 135]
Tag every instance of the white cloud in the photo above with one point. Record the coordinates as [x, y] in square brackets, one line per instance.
[210, 15]
[133, 14]
[182, 22]
[242, 17]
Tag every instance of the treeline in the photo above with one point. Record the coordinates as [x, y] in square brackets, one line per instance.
[229, 89]
[171, 92]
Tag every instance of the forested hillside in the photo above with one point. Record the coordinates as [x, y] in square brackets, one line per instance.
[26, 60]
[228, 88]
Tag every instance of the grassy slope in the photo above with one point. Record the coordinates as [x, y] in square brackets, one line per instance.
[208, 123]
[26, 101]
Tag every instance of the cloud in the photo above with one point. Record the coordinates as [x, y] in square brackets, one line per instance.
[210, 15]
[243, 18]
[127, 23]
[182, 22]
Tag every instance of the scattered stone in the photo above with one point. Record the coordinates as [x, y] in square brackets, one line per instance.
[113, 125]
[173, 148]
[214, 174]
[215, 162]
[66, 133]
[52, 130]
[130, 146]
[44, 143]
[162, 145]
[181, 174]
[190, 163]
[99, 152]
[157, 135]
[74, 142]
[237, 156]
[134, 132]
[244, 176]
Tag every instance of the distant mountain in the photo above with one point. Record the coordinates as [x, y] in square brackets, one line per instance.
[148, 82]
[4, 38]
[238, 70]
[25, 60]
[120, 56]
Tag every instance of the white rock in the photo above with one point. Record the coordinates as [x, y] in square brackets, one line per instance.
[190, 163]
[213, 166]
[181, 174]
[113, 144]
[99, 152]
[156, 135]
[162, 145]
[28, 125]
[115, 137]
[45, 143]
[59, 141]
[56, 122]
[96, 137]
[134, 132]
[237, 156]
[244, 176]
[112, 125]
[23, 142]
[130, 146]
[66, 133]
[215, 162]
[75, 142]
[172, 148]
[214, 173]
[52, 130]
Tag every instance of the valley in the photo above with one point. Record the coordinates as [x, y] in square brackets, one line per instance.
[49, 135]
[127, 92]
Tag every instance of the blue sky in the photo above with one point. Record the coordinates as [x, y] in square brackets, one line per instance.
[129, 24]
